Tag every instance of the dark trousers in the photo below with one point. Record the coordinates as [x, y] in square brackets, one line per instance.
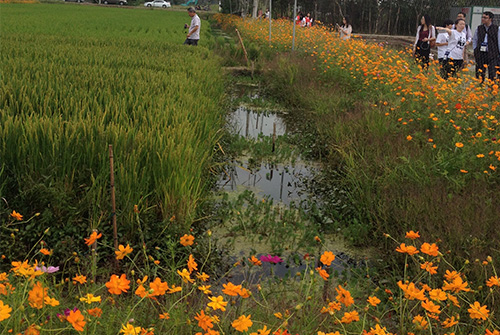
[451, 67]
[189, 41]
[422, 52]
[485, 62]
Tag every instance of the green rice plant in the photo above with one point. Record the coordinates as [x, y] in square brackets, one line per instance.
[76, 79]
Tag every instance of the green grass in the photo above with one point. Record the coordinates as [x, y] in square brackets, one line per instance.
[78, 78]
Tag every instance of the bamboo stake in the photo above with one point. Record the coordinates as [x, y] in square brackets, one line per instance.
[243, 46]
[113, 200]
[274, 135]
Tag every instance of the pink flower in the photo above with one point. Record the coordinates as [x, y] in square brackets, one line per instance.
[271, 259]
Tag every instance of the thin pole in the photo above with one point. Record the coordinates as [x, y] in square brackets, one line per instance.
[113, 200]
[270, 18]
[294, 23]
[274, 135]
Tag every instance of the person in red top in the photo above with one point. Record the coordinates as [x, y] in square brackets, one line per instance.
[426, 33]
[298, 19]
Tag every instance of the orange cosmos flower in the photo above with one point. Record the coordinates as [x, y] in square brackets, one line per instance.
[81, 279]
[46, 252]
[202, 276]
[95, 312]
[427, 266]
[477, 311]
[459, 145]
[344, 296]
[449, 322]
[192, 264]
[412, 235]
[431, 307]
[204, 321]
[437, 294]
[77, 320]
[4, 311]
[429, 249]
[410, 250]
[323, 273]
[187, 240]
[374, 301]
[16, 216]
[456, 285]
[158, 287]
[118, 285]
[231, 289]
[327, 258]
[165, 316]
[420, 322]
[411, 291]
[242, 323]
[92, 238]
[493, 281]
[36, 296]
[123, 251]
[350, 317]
[255, 261]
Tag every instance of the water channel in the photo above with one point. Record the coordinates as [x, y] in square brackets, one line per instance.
[268, 193]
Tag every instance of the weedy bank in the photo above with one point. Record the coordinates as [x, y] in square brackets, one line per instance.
[411, 150]
[76, 79]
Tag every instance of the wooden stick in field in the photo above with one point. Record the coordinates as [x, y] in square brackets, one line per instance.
[243, 46]
[113, 201]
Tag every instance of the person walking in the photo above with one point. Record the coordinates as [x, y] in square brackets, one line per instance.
[193, 35]
[486, 44]
[454, 55]
[442, 45]
[345, 30]
[468, 35]
[426, 33]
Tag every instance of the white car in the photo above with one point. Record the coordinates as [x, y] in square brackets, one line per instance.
[158, 3]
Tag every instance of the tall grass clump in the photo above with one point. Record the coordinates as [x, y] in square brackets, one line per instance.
[78, 78]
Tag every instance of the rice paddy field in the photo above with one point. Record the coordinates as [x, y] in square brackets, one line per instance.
[76, 79]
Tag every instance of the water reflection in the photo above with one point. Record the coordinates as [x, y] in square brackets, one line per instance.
[278, 182]
[250, 124]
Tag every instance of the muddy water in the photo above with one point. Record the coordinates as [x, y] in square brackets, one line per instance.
[285, 184]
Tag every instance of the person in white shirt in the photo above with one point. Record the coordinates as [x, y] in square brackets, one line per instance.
[442, 40]
[454, 54]
[193, 35]
[345, 30]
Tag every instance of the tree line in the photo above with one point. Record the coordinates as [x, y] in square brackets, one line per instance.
[393, 17]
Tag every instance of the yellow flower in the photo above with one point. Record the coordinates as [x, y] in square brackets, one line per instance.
[242, 323]
[185, 275]
[90, 298]
[217, 303]
[263, 331]
[4, 311]
[123, 251]
[130, 330]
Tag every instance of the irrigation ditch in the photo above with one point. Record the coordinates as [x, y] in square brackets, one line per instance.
[270, 196]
